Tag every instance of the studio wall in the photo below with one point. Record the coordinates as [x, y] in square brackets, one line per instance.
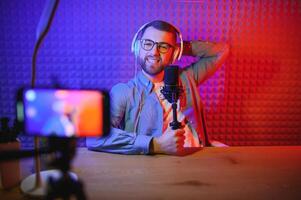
[254, 99]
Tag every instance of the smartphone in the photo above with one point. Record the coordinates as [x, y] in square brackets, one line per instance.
[63, 112]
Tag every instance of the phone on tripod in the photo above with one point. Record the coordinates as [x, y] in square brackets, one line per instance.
[63, 112]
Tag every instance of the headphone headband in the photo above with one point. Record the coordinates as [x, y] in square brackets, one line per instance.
[134, 47]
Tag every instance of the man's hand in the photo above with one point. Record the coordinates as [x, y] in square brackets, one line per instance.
[171, 142]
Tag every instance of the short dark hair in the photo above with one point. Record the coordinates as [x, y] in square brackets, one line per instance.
[160, 25]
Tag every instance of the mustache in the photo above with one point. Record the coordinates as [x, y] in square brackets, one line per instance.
[152, 57]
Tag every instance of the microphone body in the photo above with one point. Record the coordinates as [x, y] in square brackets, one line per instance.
[172, 91]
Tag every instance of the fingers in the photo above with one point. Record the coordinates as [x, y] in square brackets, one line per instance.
[179, 132]
[180, 139]
[172, 141]
[180, 146]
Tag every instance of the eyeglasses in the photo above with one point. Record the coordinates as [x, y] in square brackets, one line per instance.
[162, 47]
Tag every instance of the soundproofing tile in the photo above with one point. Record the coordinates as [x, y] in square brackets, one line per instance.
[254, 99]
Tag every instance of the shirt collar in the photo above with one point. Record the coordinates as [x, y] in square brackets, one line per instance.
[146, 83]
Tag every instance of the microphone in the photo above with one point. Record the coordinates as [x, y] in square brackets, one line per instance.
[172, 91]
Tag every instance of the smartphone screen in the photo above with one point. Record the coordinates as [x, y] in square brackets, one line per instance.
[63, 113]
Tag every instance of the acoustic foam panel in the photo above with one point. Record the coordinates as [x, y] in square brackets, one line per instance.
[254, 99]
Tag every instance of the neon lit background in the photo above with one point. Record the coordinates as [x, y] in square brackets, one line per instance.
[254, 99]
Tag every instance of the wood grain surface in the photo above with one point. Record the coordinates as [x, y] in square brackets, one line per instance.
[211, 173]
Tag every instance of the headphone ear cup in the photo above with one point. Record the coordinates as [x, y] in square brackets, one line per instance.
[136, 48]
[175, 55]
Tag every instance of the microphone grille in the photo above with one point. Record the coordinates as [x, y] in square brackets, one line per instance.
[171, 75]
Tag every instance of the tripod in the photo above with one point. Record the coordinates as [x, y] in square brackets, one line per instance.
[65, 186]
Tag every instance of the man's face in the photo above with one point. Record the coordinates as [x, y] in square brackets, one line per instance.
[153, 61]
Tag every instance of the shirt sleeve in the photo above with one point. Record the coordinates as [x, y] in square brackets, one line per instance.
[119, 140]
[210, 55]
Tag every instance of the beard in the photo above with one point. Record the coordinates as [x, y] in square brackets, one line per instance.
[152, 65]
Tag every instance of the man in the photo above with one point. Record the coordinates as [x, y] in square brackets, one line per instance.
[140, 117]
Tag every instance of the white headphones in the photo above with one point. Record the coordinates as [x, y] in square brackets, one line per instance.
[177, 53]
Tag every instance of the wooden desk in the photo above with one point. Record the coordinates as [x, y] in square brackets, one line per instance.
[212, 173]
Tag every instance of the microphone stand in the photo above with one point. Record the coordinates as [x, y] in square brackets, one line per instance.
[175, 124]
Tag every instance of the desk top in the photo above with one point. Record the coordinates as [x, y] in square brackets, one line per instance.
[212, 173]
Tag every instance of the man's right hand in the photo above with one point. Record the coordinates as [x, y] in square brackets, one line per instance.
[171, 142]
